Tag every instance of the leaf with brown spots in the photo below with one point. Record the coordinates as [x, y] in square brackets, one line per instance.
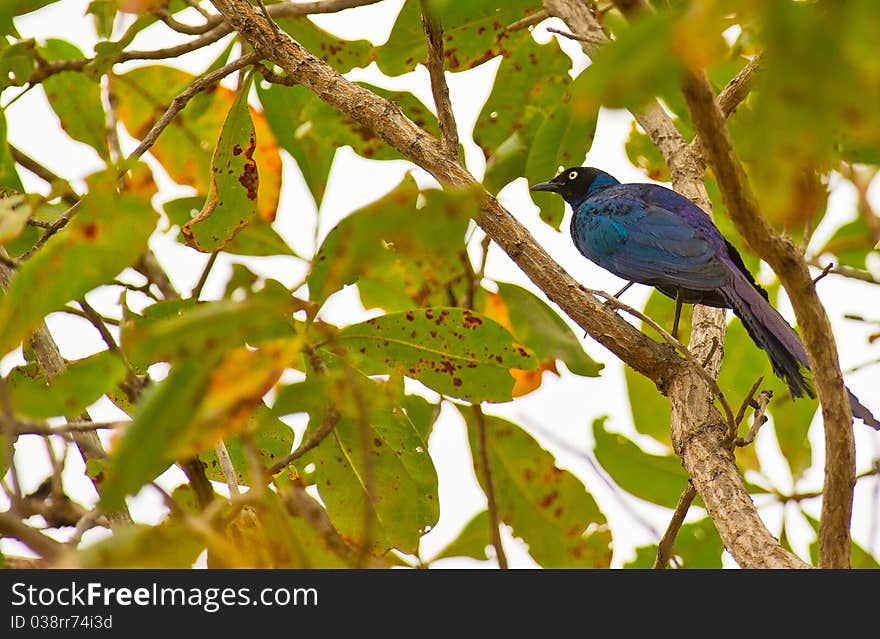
[81, 383]
[538, 326]
[258, 238]
[400, 255]
[108, 233]
[271, 437]
[342, 55]
[453, 351]
[15, 211]
[405, 500]
[232, 197]
[473, 32]
[185, 148]
[547, 507]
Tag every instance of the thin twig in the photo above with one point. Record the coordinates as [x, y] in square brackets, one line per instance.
[180, 27]
[824, 272]
[326, 427]
[46, 547]
[664, 547]
[579, 38]
[494, 521]
[757, 421]
[528, 21]
[180, 101]
[748, 400]
[197, 291]
[33, 428]
[53, 228]
[845, 271]
[681, 348]
[439, 89]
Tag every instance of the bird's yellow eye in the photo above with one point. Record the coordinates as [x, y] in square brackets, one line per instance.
[572, 175]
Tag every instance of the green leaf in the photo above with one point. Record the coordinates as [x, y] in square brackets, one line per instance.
[173, 331]
[168, 545]
[400, 255]
[540, 328]
[342, 55]
[645, 59]
[474, 32]
[546, 506]
[272, 439]
[17, 63]
[257, 238]
[529, 86]
[145, 449]
[108, 233]
[472, 541]
[76, 99]
[697, 545]
[659, 479]
[562, 140]
[81, 383]
[9, 178]
[405, 482]
[859, 557]
[451, 350]
[232, 198]
[851, 243]
[643, 153]
[285, 110]
[13, 8]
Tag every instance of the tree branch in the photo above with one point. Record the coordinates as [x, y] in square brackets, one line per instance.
[439, 89]
[46, 547]
[664, 548]
[785, 259]
[494, 521]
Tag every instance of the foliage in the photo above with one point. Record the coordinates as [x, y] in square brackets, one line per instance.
[240, 370]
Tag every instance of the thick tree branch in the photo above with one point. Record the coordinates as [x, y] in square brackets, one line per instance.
[785, 259]
[705, 432]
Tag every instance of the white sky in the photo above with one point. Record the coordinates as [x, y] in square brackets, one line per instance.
[559, 415]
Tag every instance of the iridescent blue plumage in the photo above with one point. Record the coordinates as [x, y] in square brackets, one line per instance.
[652, 235]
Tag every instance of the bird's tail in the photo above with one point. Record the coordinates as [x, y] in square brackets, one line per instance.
[773, 334]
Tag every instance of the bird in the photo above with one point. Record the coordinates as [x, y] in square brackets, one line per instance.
[652, 235]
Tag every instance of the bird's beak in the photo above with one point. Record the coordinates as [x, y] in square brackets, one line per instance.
[545, 186]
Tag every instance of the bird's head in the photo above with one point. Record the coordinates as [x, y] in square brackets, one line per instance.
[577, 183]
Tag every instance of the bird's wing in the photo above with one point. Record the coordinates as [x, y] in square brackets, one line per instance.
[663, 248]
